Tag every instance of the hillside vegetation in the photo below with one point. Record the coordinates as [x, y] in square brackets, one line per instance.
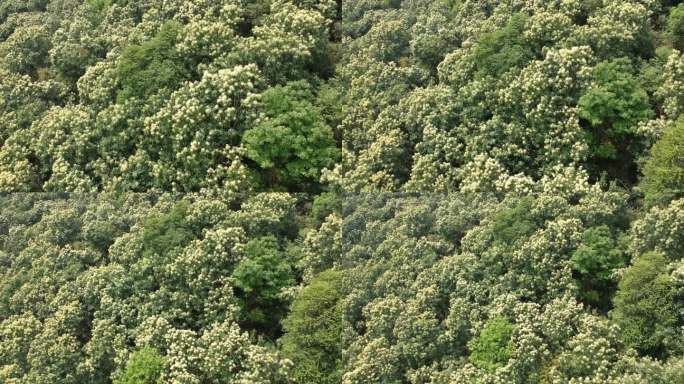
[355, 191]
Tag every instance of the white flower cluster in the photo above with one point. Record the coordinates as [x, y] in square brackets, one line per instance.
[223, 353]
[197, 130]
[661, 230]
[672, 87]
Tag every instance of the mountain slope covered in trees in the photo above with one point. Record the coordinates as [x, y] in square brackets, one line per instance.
[355, 191]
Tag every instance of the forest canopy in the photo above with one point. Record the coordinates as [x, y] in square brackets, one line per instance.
[349, 191]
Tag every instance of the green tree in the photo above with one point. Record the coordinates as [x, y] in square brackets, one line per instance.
[593, 264]
[664, 171]
[164, 232]
[513, 224]
[313, 330]
[260, 278]
[144, 366]
[323, 205]
[644, 306]
[500, 51]
[612, 107]
[293, 143]
[675, 26]
[145, 69]
[493, 347]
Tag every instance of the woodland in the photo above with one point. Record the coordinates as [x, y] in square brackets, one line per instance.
[341, 191]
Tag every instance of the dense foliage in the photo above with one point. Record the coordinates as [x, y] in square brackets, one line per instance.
[157, 95]
[351, 191]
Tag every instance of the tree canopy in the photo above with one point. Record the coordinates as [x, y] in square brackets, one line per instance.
[348, 191]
